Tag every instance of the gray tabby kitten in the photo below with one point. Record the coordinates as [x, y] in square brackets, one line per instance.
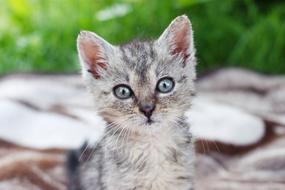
[142, 90]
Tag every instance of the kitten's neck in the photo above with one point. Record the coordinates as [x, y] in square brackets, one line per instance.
[167, 135]
[171, 146]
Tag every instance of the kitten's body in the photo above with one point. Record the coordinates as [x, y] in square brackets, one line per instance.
[138, 153]
[151, 162]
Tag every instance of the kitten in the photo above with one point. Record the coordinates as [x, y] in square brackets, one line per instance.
[142, 90]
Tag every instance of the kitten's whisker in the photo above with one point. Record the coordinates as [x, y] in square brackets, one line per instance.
[127, 133]
[91, 154]
[118, 137]
[112, 128]
[109, 130]
[114, 125]
[83, 152]
[121, 128]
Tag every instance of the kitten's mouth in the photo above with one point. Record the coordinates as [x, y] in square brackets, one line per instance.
[149, 121]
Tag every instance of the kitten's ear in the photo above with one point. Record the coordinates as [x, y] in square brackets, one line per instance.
[94, 53]
[178, 37]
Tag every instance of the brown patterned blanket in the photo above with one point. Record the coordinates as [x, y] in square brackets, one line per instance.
[31, 161]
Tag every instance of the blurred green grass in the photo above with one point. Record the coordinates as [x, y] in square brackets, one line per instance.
[39, 36]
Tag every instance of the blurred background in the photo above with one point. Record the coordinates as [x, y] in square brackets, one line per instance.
[237, 118]
[39, 36]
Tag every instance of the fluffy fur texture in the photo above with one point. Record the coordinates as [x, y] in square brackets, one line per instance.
[135, 154]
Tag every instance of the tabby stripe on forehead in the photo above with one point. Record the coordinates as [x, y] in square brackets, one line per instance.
[125, 58]
[138, 57]
[147, 60]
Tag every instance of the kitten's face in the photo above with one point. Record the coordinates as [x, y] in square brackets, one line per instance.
[141, 85]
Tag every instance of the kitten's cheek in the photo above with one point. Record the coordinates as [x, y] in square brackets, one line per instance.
[139, 121]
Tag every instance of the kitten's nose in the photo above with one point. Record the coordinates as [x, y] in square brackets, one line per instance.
[147, 109]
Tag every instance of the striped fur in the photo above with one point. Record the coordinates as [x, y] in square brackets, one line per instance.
[133, 154]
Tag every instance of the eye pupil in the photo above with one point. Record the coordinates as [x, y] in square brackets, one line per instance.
[122, 91]
[165, 85]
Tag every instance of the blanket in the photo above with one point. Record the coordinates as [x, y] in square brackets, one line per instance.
[35, 118]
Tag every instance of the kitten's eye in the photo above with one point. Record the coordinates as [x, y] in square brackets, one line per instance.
[122, 91]
[165, 85]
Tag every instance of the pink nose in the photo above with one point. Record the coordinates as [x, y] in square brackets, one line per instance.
[147, 109]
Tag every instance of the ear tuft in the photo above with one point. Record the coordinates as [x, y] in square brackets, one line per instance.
[93, 52]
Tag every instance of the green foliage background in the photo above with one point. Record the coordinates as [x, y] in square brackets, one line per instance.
[39, 35]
